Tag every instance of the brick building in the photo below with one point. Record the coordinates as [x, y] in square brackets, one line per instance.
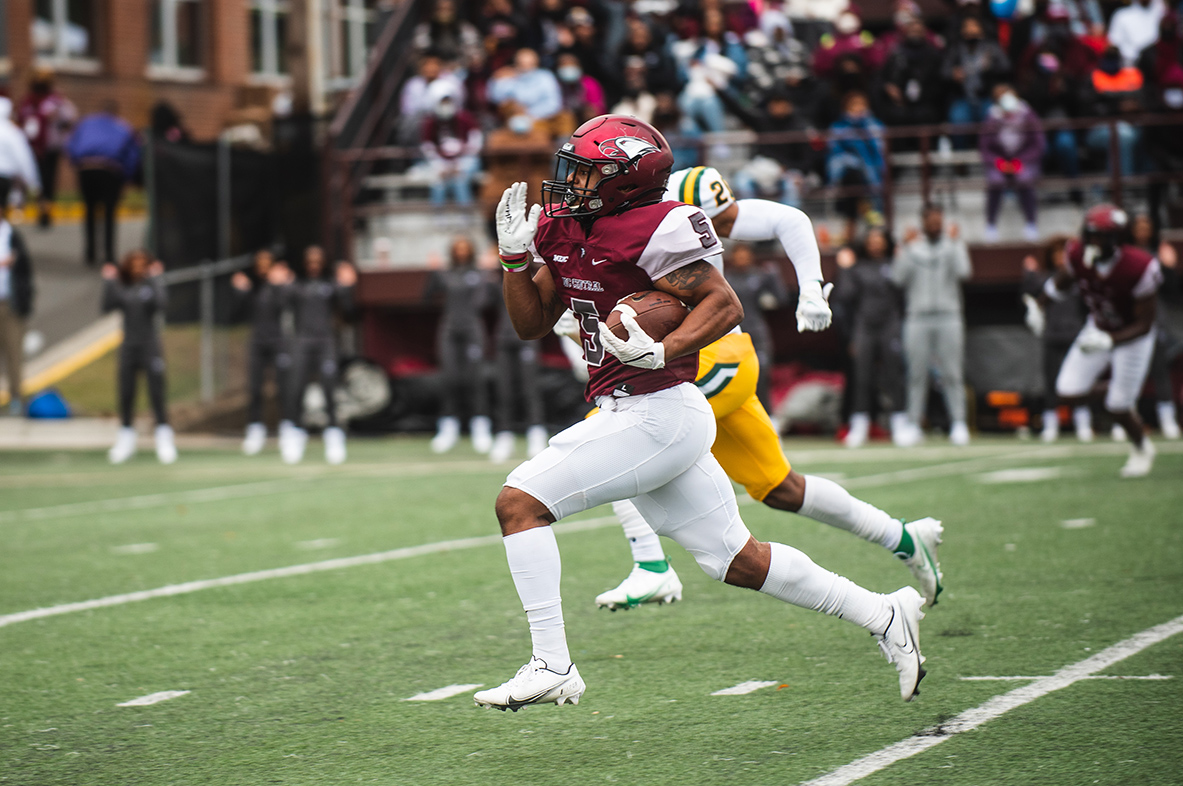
[216, 61]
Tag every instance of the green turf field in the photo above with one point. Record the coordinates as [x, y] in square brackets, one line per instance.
[303, 679]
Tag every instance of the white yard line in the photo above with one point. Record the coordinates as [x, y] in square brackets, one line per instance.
[1021, 475]
[1093, 677]
[286, 572]
[998, 706]
[742, 688]
[444, 693]
[153, 698]
[1077, 523]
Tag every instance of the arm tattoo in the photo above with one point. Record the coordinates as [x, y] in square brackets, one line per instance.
[555, 306]
[690, 277]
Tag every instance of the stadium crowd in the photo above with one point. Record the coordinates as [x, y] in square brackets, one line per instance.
[500, 72]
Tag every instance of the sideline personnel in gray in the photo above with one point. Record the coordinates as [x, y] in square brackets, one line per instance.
[930, 270]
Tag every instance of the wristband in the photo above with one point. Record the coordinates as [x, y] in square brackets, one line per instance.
[516, 263]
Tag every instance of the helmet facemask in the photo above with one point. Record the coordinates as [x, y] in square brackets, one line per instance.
[572, 193]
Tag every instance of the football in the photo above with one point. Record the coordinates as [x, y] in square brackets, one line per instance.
[658, 314]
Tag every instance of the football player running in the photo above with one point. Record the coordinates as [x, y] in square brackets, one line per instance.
[747, 445]
[1118, 283]
[606, 234]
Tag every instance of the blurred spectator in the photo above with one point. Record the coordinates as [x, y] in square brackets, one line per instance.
[930, 270]
[422, 93]
[661, 73]
[1135, 27]
[1167, 345]
[1167, 52]
[906, 11]
[136, 288]
[166, 123]
[874, 308]
[16, 303]
[973, 65]
[46, 116]
[776, 169]
[961, 10]
[581, 36]
[453, 39]
[856, 156]
[504, 30]
[526, 94]
[1057, 42]
[1072, 18]
[547, 18]
[1163, 150]
[452, 146]
[759, 289]
[18, 166]
[464, 290]
[771, 52]
[1113, 90]
[582, 95]
[1012, 145]
[708, 64]
[517, 388]
[1063, 320]
[848, 38]
[315, 301]
[106, 153]
[911, 78]
[636, 98]
[667, 118]
[260, 298]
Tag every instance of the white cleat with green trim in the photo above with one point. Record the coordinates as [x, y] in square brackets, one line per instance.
[534, 684]
[642, 586]
[926, 536]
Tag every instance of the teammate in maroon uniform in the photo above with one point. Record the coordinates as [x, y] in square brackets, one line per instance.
[606, 235]
[1118, 283]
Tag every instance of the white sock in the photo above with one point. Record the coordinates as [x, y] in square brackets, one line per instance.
[795, 578]
[829, 503]
[642, 539]
[534, 563]
[1082, 418]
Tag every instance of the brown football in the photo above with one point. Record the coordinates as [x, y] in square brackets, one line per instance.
[658, 314]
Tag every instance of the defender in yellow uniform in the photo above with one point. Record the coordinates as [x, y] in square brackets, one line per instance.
[747, 445]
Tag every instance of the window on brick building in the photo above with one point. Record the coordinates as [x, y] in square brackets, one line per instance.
[269, 37]
[348, 31]
[64, 32]
[178, 35]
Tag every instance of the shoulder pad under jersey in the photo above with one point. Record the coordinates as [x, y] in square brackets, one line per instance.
[701, 186]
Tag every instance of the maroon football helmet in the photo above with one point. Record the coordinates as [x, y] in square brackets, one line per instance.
[633, 161]
[1106, 227]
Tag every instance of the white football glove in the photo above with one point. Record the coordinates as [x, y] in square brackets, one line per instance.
[640, 350]
[1093, 339]
[1035, 317]
[813, 308]
[568, 326]
[516, 227]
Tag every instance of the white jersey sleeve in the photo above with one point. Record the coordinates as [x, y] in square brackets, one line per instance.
[685, 235]
[701, 186]
[1150, 281]
[759, 220]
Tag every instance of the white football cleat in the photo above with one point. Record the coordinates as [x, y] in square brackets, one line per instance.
[534, 684]
[906, 434]
[1117, 433]
[481, 429]
[642, 586]
[860, 427]
[959, 434]
[502, 447]
[1168, 420]
[292, 444]
[1082, 418]
[1141, 460]
[166, 448]
[446, 435]
[900, 643]
[124, 447]
[256, 437]
[1051, 426]
[926, 536]
[536, 440]
[334, 439]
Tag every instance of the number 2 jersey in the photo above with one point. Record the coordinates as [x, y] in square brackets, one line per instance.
[615, 257]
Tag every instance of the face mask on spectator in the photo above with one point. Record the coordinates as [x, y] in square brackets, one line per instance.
[446, 110]
[570, 73]
[1172, 97]
[520, 124]
[1049, 62]
[1009, 102]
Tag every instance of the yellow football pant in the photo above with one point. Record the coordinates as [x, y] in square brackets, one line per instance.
[746, 444]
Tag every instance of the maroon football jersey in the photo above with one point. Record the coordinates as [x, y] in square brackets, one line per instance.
[1109, 295]
[622, 254]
